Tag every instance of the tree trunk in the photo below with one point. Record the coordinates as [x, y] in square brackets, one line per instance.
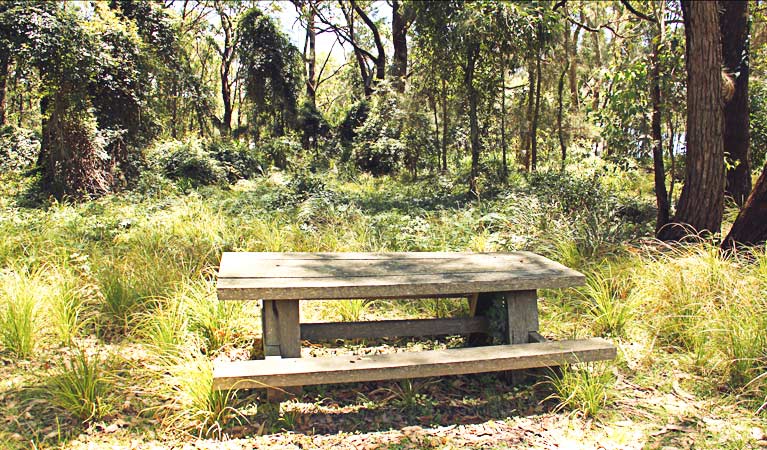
[227, 55]
[444, 125]
[311, 58]
[529, 116]
[5, 62]
[472, 54]
[733, 22]
[750, 227]
[536, 113]
[561, 132]
[701, 203]
[399, 41]
[573, 75]
[661, 196]
[503, 116]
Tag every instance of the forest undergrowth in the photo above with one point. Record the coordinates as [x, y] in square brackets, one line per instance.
[109, 324]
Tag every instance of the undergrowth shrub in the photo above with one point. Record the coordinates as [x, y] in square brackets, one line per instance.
[18, 148]
[187, 161]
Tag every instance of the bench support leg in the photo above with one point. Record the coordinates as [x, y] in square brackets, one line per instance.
[282, 337]
[522, 321]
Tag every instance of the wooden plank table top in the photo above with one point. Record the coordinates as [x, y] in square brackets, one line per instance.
[316, 276]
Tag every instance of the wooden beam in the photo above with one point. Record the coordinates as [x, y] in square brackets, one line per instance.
[393, 328]
[346, 369]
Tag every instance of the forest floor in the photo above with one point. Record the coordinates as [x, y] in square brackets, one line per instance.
[147, 322]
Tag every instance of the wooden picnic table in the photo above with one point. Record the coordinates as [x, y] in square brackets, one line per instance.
[508, 281]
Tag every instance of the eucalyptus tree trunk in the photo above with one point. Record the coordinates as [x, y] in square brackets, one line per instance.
[750, 227]
[311, 57]
[472, 54]
[399, 41]
[560, 130]
[503, 116]
[701, 203]
[536, 113]
[5, 62]
[661, 196]
[444, 125]
[733, 23]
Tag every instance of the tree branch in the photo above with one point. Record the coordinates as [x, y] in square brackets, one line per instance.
[639, 14]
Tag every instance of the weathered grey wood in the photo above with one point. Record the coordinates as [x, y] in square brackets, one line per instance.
[392, 328]
[309, 276]
[344, 369]
[522, 309]
[537, 337]
[281, 330]
[254, 265]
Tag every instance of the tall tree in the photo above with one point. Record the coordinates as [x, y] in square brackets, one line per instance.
[750, 227]
[402, 17]
[701, 203]
[733, 23]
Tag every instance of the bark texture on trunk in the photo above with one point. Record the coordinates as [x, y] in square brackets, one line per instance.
[661, 196]
[750, 227]
[399, 41]
[472, 54]
[733, 22]
[701, 203]
[5, 62]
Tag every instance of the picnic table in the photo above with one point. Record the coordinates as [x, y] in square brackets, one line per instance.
[506, 282]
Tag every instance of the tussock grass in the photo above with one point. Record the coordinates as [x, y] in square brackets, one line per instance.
[20, 295]
[584, 389]
[81, 384]
[193, 405]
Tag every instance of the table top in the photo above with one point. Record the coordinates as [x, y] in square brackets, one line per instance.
[315, 276]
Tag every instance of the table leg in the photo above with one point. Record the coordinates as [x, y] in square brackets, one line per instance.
[281, 337]
[521, 321]
[522, 310]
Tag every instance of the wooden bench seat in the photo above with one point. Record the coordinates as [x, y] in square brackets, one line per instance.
[284, 372]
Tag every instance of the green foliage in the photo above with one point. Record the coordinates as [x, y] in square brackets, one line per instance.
[608, 303]
[216, 323]
[68, 311]
[81, 385]
[584, 389]
[757, 91]
[187, 161]
[18, 148]
[19, 313]
[272, 72]
[193, 403]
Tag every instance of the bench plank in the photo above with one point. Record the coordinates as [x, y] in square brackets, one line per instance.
[346, 369]
[310, 276]
[393, 328]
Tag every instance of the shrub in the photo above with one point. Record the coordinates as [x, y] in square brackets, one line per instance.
[188, 161]
[236, 158]
[18, 148]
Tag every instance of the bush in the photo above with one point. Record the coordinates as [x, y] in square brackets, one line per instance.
[18, 148]
[238, 161]
[188, 161]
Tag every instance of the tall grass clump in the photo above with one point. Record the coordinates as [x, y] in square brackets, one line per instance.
[608, 303]
[164, 329]
[193, 404]
[82, 385]
[584, 389]
[121, 299]
[712, 306]
[216, 323]
[69, 315]
[19, 296]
